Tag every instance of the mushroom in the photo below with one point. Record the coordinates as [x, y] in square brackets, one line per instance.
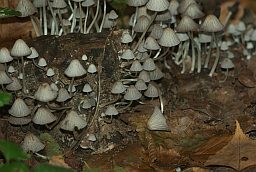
[157, 121]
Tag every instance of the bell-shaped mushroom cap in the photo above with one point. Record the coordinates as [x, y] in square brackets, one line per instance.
[204, 38]
[11, 69]
[211, 24]
[42, 62]
[141, 85]
[149, 64]
[224, 46]
[126, 37]
[136, 3]
[182, 36]
[50, 72]
[19, 121]
[151, 92]
[75, 69]
[43, 116]
[54, 86]
[5, 56]
[26, 8]
[108, 23]
[193, 11]
[157, 121]
[71, 121]
[144, 75]
[151, 44]
[184, 5]
[63, 95]
[31, 143]
[141, 24]
[34, 54]
[113, 15]
[163, 16]
[4, 78]
[127, 55]
[173, 7]
[20, 48]
[143, 11]
[187, 24]
[111, 111]
[156, 74]
[156, 31]
[169, 38]
[157, 5]
[59, 4]
[84, 57]
[118, 88]
[240, 26]
[14, 85]
[80, 15]
[40, 3]
[88, 3]
[45, 93]
[136, 66]
[141, 48]
[86, 103]
[132, 93]
[87, 88]
[92, 68]
[19, 108]
[227, 63]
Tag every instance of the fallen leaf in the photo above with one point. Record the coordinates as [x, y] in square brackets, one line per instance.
[58, 161]
[196, 169]
[239, 153]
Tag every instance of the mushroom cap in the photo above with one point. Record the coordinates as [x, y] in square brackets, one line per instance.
[149, 64]
[126, 37]
[20, 48]
[5, 56]
[45, 93]
[43, 116]
[87, 88]
[156, 31]
[169, 38]
[92, 68]
[31, 143]
[111, 110]
[59, 4]
[63, 95]
[141, 24]
[132, 93]
[19, 121]
[4, 78]
[113, 15]
[173, 7]
[19, 108]
[14, 85]
[227, 63]
[34, 54]
[42, 62]
[144, 75]
[156, 74]
[26, 8]
[118, 88]
[127, 55]
[136, 3]
[40, 3]
[182, 36]
[71, 121]
[88, 3]
[75, 69]
[151, 44]
[157, 121]
[184, 5]
[151, 92]
[136, 66]
[187, 24]
[157, 5]
[193, 11]
[211, 24]
[141, 85]
[50, 72]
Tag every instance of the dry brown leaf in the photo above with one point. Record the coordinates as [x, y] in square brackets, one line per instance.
[196, 169]
[58, 160]
[239, 153]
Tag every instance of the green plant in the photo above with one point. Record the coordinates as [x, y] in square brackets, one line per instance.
[5, 98]
[7, 12]
[15, 160]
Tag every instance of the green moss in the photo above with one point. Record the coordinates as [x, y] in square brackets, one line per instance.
[52, 147]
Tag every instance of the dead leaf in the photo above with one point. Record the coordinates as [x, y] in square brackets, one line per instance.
[58, 160]
[239, 153]
[196, 169]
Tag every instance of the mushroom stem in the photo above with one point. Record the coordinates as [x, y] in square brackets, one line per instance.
[134, 20]
[95, 17]
[206, 63]
[71, 86]
[186, 48]
[35, 27]
[217, 56]
[45, 19]
[54, 18]
[80, 18]
[104, 15]
[74, 19]
[86, 18]
[24, 75]
[144, 33]
[226, 76]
